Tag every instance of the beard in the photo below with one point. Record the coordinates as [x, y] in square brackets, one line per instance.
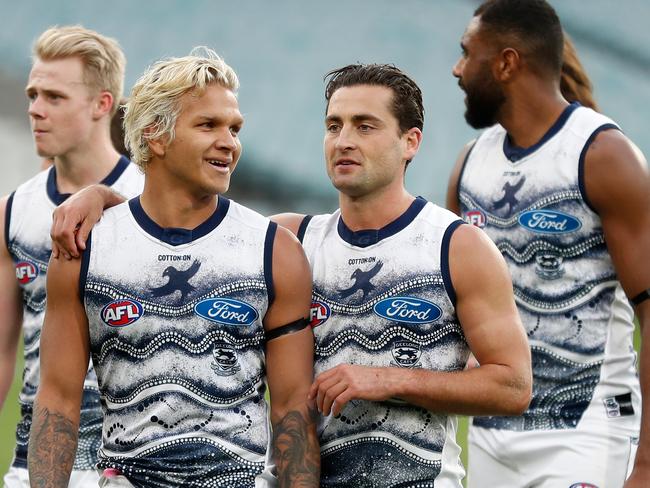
[484, 100]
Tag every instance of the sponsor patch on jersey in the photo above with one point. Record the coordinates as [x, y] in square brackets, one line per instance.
[476, 217]
[619, 405]
[227, 311]
[318, 313]
[406, 354]
[26, 272]
[408, 309]
[549, 222]
[582, 485]
[120, 313]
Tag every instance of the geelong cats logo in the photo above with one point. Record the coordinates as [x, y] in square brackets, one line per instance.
[406, 355]
[225, 359]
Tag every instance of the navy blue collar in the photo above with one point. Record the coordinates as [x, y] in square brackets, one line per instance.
[516, 153]
[368, 237]
[174, 235]
[58, 198]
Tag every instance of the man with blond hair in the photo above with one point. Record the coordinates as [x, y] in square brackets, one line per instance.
[189, 305]
[73, 88]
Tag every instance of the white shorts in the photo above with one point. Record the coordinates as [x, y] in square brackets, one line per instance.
[548, 459]
[19, 478]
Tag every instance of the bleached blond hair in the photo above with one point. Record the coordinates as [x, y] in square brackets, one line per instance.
[154, 104]
[102, 58]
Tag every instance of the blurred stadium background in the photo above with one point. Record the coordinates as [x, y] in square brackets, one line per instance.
[281, 50]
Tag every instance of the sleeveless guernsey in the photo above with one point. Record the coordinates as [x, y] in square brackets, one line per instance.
[384, 298]
[533, 205]
[177, 341]
[27, 233]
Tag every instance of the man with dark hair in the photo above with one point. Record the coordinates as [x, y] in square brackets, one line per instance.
[566, 197]
[402, 290]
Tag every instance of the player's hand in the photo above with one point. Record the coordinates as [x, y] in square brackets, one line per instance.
[334, 388]
[73, 220]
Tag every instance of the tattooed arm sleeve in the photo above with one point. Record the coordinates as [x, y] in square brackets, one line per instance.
[52, 448]
[296, 451]
[290, 367]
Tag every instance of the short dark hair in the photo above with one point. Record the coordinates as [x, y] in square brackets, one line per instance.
[534, 24]
[407, 104]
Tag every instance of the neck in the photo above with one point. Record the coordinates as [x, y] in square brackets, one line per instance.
[531, 112]
[85, 165]
[172, 206]
[374, 211]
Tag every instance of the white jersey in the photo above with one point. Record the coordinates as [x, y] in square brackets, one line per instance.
[27, 233]
[177, 341]
[534, 206]
[384, 298]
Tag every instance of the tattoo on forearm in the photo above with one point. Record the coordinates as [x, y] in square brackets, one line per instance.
[296, 451]
[52, 448]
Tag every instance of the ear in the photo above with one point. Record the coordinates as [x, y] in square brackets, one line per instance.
[157, 146]
[413, 138]
[103, 104]
[508, 63]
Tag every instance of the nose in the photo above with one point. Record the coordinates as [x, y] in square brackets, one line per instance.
[345, 139]
[457, 69]
[227, 141]
[36, 108]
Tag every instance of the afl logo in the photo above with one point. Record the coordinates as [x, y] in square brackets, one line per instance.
[26, 272]
[475, 217]
[408, 309]
[226, 311]
[120, 313]
[319, 313]
[548, 222]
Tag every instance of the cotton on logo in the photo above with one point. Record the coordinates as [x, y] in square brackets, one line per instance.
[26, 272]
[120, 313]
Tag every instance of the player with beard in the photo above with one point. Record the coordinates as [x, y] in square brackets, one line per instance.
[566, 198]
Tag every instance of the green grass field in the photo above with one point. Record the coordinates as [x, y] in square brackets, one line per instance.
[9, 417]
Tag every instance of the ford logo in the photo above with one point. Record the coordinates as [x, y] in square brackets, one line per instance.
[408, 309]
[226, 311]
[549, 222]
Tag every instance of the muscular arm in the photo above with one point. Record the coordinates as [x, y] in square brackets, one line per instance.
[73, 220]
[64, 362]
[487, 313]
[290, 360]
[618, 186]
[10, 311]
[454, 179]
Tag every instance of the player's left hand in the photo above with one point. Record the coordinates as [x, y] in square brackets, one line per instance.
[334, 388]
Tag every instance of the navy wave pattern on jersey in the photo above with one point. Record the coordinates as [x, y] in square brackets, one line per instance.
[33, 295]
[375, 443]
[564, 302]
[183, 396]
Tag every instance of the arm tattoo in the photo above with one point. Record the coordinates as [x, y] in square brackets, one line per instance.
[296, 451]
[52, 448]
